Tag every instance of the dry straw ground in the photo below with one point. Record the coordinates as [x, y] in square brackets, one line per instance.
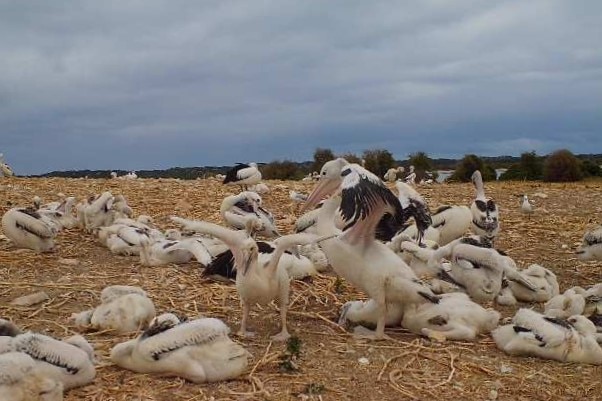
[406, 367]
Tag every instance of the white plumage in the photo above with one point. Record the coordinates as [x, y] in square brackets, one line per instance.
[254, 283]
[237, 210]
[243, 175]
[544, 284]
[564, 305]
[532, 334]
[162, 252]
[5, 170]
[356, 255]
[525, 206]
[198, 350]
[485, 214]
[26, 228]
[477, 269]
[452, 222]
[591, 246]
[70, 361]
[21, 380]
[122, 308]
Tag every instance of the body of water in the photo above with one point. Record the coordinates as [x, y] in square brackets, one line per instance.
[444, 174]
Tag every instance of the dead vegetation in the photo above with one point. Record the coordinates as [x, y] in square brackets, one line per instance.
[327, 363]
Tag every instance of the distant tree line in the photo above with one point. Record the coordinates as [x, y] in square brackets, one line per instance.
[560, 166]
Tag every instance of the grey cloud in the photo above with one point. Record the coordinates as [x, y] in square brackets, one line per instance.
[157, 84]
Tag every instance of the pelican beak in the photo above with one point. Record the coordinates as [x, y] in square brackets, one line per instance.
[325, 187]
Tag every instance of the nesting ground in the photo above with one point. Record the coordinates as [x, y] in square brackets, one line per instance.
[329, 368]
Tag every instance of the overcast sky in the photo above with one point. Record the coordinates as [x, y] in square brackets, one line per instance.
[155, 84]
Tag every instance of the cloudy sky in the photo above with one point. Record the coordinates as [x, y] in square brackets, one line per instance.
[155, 84]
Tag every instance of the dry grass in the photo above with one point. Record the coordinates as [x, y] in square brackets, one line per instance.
[406, 367]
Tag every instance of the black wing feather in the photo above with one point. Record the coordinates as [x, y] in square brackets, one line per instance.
[231, 175]
[358, 201]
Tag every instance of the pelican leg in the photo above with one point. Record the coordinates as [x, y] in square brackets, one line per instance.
[246, 308]
[379, 334]
[283, 303]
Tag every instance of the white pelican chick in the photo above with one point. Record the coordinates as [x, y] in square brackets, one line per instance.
[416, 256]
[532, 334]
[255, 283]
[96, 211]
[297, 197]
[452, 222]
[297, 266]
[591, 247]
[260, 188]
[198, 350]
[70, 361]
[391, 174]
[5, 170]
[60, 212]
[236, 210]
[126, 240]
[26, 228]
[485, 213]
[564, 305]
[163, 252]
[452, 317]
[543, 281]
[410, 179]
[122, 308]
[243, 175]
[20, 380]
[476, 268]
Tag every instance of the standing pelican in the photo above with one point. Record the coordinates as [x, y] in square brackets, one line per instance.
[356, 255]
[243, 175]
[485, 214]
[255, 283]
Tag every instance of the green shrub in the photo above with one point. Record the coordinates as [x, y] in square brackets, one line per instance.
[352, 158]
[590, 169]
[321, 156]
[562, 166]
[378, 161]
[530, 167]
[282, 170]
[468, 165]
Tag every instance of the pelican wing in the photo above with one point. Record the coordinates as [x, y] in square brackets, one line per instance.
[32, 222]
[194, 246]
[232, 175]
[54, 352]
[231, 238]
[131, 235]
[155, 344]
[545, 331]
[364, 201]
